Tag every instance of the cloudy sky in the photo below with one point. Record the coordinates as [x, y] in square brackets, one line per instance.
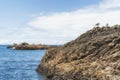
[53, 21]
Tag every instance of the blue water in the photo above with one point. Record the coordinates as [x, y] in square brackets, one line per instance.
[19, 64]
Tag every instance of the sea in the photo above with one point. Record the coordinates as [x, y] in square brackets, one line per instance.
[20, 64]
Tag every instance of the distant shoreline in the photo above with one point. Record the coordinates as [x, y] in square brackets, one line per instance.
[26, 46]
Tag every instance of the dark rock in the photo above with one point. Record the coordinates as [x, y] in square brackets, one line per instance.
[9, 46]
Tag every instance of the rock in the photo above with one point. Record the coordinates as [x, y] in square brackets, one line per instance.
[26, 46]
[9, 46]
[95, 55]
[12, 46]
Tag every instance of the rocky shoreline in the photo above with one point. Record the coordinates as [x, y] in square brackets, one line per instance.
[26, 46]
[95, 55]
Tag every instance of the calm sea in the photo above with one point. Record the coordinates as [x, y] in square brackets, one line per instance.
[20, 64]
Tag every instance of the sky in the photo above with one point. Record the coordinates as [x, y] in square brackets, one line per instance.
[53, 21]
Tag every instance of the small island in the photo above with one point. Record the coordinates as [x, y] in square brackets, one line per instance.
[27, 46]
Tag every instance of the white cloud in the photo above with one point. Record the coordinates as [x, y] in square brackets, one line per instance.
[4, 41]
[107, 4]
[59, 28]
[68, 25]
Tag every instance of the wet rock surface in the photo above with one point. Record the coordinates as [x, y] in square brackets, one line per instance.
[95, 55]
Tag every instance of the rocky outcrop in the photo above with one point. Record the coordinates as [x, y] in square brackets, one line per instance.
[26, 46]
[9, 46]
[95, 55]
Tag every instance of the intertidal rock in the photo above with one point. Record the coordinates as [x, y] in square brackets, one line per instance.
[95, 55]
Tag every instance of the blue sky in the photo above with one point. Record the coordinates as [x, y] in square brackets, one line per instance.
[51, 21]
[17, 12]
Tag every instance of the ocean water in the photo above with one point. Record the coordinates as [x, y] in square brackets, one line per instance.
[20, 64]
